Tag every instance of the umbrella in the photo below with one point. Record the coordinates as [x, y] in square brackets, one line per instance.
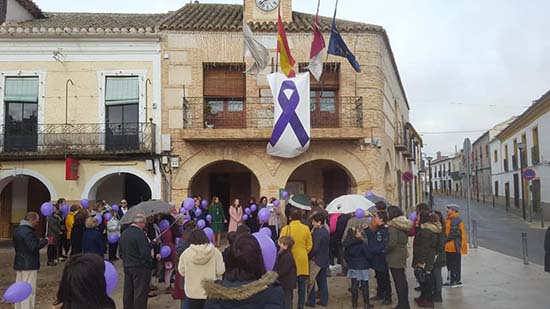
[300, 201]
[346, 204]
[147, 209]
[375, 199]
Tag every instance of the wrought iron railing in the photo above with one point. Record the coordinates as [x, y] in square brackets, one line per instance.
[257, 112]
[77, 138]
[402, 139]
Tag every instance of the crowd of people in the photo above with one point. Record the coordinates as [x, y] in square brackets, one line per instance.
[172, 249]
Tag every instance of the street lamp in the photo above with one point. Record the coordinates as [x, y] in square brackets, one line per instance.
[522, 162]
[431, 201]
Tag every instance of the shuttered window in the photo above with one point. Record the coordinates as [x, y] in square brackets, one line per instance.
[224, 80]
[122, 90]
[21, 89]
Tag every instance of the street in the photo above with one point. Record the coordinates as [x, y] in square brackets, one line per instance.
[499, 231]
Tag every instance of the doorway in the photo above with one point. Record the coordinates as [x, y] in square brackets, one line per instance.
[516, 190]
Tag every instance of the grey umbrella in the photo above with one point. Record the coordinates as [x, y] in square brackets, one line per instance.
[147, 209]
[375, 199]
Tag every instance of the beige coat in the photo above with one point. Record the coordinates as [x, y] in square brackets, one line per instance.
[197, 263]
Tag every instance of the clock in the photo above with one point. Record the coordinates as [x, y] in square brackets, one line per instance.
[267, 5]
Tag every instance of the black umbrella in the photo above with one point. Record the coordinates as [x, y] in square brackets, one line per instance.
[147, 209]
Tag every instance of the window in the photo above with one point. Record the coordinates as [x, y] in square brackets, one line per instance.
[496, 188]
[495, 154]
[535, 152]
[324, 96]
[515, 155]
[21, 113]
[224, 95]
[122, 112]
[506, 164]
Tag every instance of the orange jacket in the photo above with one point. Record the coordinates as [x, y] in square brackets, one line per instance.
[450, 245]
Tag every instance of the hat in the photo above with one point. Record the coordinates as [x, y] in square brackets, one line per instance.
[300, 201]
[454, 207]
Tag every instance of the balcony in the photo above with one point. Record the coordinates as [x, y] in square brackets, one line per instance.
[252, 118]
[535, 155]
[402, 140]
[94, 140]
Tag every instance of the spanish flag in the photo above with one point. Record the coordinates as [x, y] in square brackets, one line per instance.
[287, 62]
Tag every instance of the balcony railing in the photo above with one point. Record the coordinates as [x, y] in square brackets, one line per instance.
[78, 139]
[402, 140]
[535, 155]
[257, 113]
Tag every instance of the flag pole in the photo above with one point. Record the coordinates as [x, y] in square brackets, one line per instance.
[277, 50]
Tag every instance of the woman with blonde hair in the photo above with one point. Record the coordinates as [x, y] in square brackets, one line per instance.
[235, 215]
[92, 240]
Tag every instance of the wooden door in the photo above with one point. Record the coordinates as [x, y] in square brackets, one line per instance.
[335, 184]
[507, 194]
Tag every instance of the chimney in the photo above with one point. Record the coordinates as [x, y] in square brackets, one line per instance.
[439, 155]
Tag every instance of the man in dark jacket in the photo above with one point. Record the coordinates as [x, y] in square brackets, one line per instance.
[338, 235]
[135, 252]
[27, 254]
[320, 255]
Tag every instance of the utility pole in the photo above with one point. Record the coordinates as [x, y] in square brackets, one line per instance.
[431, 199]
[467, 154]
[522, 162]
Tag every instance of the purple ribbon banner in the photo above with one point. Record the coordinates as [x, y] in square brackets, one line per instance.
[289, 116]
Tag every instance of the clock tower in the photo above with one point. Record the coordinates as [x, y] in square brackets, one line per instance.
[266, 10]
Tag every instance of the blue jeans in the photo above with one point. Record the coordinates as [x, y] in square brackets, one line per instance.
[302, 286]
[185, 303]
[322, 284]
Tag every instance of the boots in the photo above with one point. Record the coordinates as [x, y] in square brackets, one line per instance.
[354, 293]
[365, 291]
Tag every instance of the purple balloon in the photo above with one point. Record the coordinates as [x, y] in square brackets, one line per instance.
[245, 217]
[84, 203]
[201, 224]
[276, 203]
[209, 218]
[209, 233]
[177, 240]
[412, 216]
[113, 238]
[269, 251]
[17, 292]
[266, 231]
[198, 212]
[369, 193]
[204, 204]
[187, 218]
[188, 203]
[111, 277]
[284, 195]
[99, 218]
[247, 211]
[263, 215]
[359, 213]
[115, 207]
[253, 207]
[165, 251]
[369, 220]
[46, 209]
[108, 216]
[164, 225]
[65, 209]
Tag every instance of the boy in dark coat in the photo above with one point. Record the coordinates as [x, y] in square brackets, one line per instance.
[286, 267]
[377, 239]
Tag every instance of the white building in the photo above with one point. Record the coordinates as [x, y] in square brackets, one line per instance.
[441, 168]
[526, 140]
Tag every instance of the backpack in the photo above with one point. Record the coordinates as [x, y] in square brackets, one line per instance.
[455, 234]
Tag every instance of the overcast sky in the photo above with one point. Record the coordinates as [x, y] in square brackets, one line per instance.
[466, 65]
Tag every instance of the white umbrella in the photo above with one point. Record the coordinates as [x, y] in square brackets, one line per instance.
[346, 204]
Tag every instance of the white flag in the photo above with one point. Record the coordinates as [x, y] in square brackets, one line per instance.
[291, 126]
[253, 48]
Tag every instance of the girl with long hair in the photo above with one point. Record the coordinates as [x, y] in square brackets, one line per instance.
[235, 215]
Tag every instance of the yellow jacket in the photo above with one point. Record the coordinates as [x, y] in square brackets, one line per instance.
[69, 222]
[302, 245]
[450, 245]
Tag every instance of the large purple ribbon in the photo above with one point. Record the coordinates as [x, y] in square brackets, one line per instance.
[289, 116]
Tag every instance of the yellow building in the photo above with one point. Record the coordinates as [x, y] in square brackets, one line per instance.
[83, 87]
[220, 119]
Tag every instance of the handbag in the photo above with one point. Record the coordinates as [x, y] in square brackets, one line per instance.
[420, 274]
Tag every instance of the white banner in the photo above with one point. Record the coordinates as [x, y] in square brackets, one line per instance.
[291, 126]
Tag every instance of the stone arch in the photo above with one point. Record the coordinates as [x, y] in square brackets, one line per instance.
[7, 176]
[90, 189]
[389, 184]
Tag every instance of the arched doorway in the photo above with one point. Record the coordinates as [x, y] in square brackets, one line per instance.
[19, 195]
[226, 180]
[114, 187]
[320, 179]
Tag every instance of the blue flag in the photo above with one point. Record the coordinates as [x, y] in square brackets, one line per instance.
[338, 47]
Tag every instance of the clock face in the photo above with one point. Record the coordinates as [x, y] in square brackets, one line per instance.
[267, 5]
